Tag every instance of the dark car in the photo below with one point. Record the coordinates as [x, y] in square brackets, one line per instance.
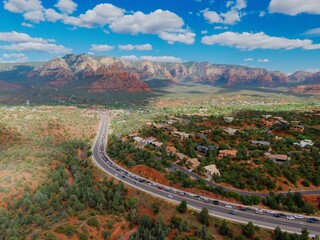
[215, 202]
[232, 212]
[311, 220]
[277, 215]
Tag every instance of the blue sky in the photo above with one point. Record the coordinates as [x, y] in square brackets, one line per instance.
[274, 34]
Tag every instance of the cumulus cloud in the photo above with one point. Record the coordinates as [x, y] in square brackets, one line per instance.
[204, 32]
[22, 6]
[169, 59]
[100, 15]
[101, 48]
[25, 24]
[66, 6]
[251, 41]
[231, 17]
[142, 47]
[52, 15]
[248, 59]
[313, 32]
[34, 16]
[37, 47]
[13, 58]
[220, 27]
[263, 60]
[130, 58]
[167, 25]
[17, 37]
[262, 14]
[294, 7]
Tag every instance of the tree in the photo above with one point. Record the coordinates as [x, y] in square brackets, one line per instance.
[304, 234]
[182, 208]
[204, 216]
[155, 207]
[248, 230]
[224, 229]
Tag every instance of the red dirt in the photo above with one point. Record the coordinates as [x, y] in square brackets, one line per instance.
[150, 174]
[313, 199]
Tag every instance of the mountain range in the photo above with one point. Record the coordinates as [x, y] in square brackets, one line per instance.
[102, 74]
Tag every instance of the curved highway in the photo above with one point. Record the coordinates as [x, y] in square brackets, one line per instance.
[220, 209]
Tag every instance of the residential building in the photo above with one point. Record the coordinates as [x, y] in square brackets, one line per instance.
[304, 143]
[230, 131]
[194, 162]
[228, 119]
[181, 135]
[212, 169]
[297, 128]
[205, 149]
[227, 152]
[280, 158]
[260, 143]
[267, 116]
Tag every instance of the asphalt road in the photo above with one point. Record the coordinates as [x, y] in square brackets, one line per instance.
[265, 220]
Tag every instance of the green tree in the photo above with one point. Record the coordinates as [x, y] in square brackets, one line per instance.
[182, 208]
[204, 216]
[248, 230]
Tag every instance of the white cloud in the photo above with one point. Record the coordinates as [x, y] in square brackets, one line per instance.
[313, 32]
[169, 59]
[14, 58]
[204, 32]
[167, 25]
[16, 37]
[37, 47]
[130, 58]
[312, 70]
[251, 41]
[25, 24]
[22, 6]
[184, 37]
[52, 15]
[34, 16]
[220, 27]
[231, 17]
[100, 15]
[248, 59]
[101, 48]
[262, 14]
[143, 47]
[263, 60]
[66, 6]
[294, 7]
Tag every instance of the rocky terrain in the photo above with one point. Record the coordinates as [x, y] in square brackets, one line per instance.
[103, 74]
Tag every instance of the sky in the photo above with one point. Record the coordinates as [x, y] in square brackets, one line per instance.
[273, 34]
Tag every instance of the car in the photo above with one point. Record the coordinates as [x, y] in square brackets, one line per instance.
[170, 196]
[290, 217]
[259, 212]
[315, 219]
[232, 212]
[277, 215]
[116, 174]
[271, 212]
[310, 220]
[215, 202]
[123, 176]
[228, 206]
[298, 217]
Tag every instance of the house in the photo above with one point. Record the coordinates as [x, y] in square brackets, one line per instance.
[171, 121]
[297, 128]
[171, 150]
[205, 149]
[280, 158]
[228, 119]
[267, 116]
[230, 131]
[139, 141]
[157, 144]
[159, 125]
[227, 152]
[260, 143]
[212, 169]
[181, 156]
[181, 135]
[304, 143]
[206, 131]
[277, 138]
[148, 140]
[194, 162]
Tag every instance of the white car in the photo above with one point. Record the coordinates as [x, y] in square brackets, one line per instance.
[228, 206]
[298, 217]
[170, 196]
[290, 217]
[271, 212]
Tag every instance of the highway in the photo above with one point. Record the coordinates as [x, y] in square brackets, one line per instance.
[260, 218]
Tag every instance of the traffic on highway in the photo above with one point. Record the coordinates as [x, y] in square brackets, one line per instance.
[234, 212]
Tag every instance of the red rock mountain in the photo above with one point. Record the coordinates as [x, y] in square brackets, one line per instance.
[108, 73]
